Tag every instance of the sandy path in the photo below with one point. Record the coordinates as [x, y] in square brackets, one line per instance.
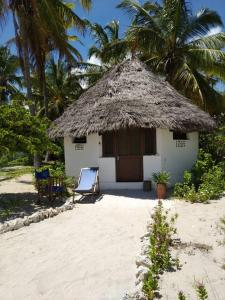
[22, 184]
[198, 223]
[87, 253]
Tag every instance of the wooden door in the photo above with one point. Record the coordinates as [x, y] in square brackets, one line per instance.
[129, 158]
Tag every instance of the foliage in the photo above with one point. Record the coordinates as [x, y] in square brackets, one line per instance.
[214, 142]
[161, 177]
[57, 169]
[206, 182]
[202, 166]
[10, 173]
[200, 290]
[162, 231]
[62, 88]
[181, 189]
[14, 159]
[22, 132]
[181, 296]
[176, 43]
[40, 28]
[9, 79]
[23, 160]
[108, 47]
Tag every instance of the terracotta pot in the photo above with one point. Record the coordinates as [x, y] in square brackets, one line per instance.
[161, 190]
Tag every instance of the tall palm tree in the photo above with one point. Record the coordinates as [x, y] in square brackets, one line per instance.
[179, 45]
[62, 86]
[108, 47]
[10, 81]
[40, 27]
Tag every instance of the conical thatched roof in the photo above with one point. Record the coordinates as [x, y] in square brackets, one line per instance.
[130, 96]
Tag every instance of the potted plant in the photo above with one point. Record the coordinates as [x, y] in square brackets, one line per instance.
[161, 179]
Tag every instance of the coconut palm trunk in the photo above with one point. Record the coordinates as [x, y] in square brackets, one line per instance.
[25, 66]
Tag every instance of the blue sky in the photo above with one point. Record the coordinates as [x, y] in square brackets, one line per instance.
[104, 11]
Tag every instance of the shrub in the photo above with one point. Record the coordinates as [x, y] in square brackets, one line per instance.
[181, 296]
[213, 183]
[200, 291]
[214, 142]
[181, 189]
[162, 231]
[206, 182]
[161, 177]
[202, 166]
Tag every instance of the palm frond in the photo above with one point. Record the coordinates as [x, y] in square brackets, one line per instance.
[113, 30]
[86, 4]
[200, 24]
[99, 34]
[215, 41]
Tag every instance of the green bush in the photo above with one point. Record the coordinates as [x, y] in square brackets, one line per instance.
[202, 166]
[200, 291]
[161, 177]
[162, 230]
[214, 142]
[213, 183]
[206, 182]
[181, 189]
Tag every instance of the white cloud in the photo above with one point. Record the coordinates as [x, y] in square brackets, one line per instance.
[214, 30]
[94, 60]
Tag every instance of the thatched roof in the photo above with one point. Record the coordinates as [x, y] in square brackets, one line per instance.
[130, 96]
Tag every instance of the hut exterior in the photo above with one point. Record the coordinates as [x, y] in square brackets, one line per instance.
[131, 124]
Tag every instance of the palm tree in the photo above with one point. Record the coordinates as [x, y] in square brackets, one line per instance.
[108, 47]
[178, 44]
[40, 27]
[10, 81]
[62, 86]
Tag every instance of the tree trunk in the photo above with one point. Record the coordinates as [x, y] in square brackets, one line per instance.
[44, 92]
[23, 51]
[47, 155]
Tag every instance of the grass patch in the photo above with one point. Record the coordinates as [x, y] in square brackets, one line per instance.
[14, 172]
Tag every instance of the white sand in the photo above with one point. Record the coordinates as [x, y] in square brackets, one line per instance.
[198, 223]
[87, 253]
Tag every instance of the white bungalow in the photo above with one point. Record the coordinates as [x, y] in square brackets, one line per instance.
[131, 124]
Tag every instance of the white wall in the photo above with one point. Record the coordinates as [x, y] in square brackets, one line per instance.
[107, 170]
[77, 159]
[169, 157]
[176, 160]
[151, 164]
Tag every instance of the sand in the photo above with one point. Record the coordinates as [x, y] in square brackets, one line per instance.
[84, 254]
[89, 253]
[198, 223]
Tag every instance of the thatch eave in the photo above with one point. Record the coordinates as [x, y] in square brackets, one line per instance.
[130, 96]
